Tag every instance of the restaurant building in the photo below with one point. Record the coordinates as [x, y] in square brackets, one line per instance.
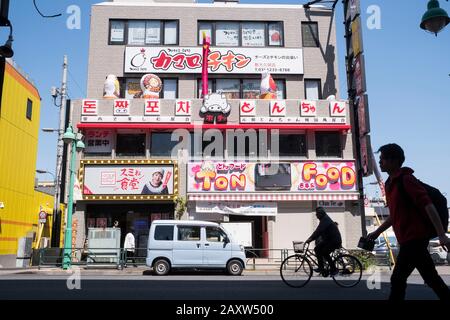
[259, 166]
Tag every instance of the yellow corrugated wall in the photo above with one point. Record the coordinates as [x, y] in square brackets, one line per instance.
[18, 153]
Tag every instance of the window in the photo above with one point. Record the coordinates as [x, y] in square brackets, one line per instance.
[240, 89]
[136, 32]
[245, 146]
[328, 144]
[227, 34]
[164, 233]
[200, 89]
[171, 32]
[152, 32]
[170, 88]
[117, 32]
[206, 27]
[229, 87]
[188, 233]
[281, 89]
[131, 88]
[253, 34]
[251, 89]
[312, 89]
[275, 34]
[245, 34]
[310, 34]
[161, 144]
[29, 109]
[292, 145]
[130, 144]
[215, 235]
[143, 32]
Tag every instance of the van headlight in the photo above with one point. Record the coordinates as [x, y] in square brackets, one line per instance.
[241, 247]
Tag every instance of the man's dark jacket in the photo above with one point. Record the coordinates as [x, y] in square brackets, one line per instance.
[328, 231]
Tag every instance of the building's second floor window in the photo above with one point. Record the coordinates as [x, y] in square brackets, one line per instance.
[132, 88]
[240, 88]
[291, 145]
[130, 144]
[310, 34]
[29, 109]
[242, 34]
[161, 144]
[143, 32]
[328, 144]
[313, 89]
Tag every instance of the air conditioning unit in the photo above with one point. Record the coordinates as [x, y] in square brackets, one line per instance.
[103, 246]
[273, 176]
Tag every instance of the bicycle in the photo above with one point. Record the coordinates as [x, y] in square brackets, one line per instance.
[296, 270]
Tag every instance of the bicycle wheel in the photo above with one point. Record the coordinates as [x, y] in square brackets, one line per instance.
[349, 271]
[296, 271]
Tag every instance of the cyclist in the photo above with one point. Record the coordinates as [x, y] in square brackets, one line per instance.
[328, 238]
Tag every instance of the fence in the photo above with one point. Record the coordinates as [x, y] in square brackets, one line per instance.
[95, 257]
[120, 258]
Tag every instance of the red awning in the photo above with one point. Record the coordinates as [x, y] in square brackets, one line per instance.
[189, 126]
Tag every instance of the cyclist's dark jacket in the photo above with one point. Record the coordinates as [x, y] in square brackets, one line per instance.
[328, 231]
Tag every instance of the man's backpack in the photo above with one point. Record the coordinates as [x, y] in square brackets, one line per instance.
[438, 199]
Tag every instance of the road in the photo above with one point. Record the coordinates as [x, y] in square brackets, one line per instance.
[195, 287]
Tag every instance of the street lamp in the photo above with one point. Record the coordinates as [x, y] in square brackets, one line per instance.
[6, 50]
[70, 138]
[44, 172]
[435, 19]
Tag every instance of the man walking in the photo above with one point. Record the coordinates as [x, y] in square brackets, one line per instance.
[129, 247]
[413, 217]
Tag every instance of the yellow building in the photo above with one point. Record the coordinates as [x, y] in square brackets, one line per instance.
[20, 203]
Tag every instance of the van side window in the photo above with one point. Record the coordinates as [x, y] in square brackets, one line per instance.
[164, 233]
[188, 233]
[215, 235]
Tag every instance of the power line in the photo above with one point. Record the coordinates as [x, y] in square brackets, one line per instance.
[43, 15]
[76, 83]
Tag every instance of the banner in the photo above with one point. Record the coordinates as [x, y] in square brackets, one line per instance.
[221, 60]
[128, 180]
[238, 208]
[295, 177]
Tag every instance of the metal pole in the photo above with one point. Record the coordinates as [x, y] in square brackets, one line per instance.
[67, 262]
[59, 155]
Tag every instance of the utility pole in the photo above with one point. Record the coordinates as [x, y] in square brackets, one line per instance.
[59, 154]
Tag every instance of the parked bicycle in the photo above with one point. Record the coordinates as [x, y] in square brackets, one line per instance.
[297, 269]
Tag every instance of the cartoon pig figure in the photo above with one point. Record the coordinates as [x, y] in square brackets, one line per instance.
[215, 107]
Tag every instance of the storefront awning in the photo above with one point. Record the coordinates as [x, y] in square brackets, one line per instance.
[274, 197]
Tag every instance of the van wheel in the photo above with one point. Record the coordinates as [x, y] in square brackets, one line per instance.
[235, 268]
[161, 267]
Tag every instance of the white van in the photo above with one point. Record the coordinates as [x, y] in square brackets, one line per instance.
[192, 245]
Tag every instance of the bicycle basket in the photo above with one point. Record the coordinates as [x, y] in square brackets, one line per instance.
[298, 246]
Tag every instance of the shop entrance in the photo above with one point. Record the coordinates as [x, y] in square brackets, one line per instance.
[129, 216]
[259, 233]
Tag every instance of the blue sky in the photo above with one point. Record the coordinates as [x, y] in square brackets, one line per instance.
[407, 76]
